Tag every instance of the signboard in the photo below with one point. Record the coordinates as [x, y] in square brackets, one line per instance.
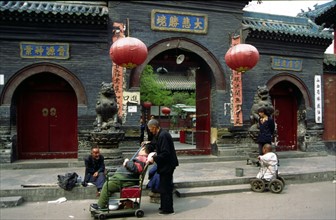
[132, 108]
[237, 98]
[318, 99]
[44, 50]
[164, 20]
[285, 63]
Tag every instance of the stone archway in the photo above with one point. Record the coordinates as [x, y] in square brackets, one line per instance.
[209, 77]
[33, 69]
[294, 80]
[183, 43]
[290, 98]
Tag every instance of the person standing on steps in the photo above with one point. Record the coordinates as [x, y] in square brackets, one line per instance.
[266, 129]
[166, 160]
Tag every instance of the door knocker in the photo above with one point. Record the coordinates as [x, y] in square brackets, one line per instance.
[45, 112]
[52, 111]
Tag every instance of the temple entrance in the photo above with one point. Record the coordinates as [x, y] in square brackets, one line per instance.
[46, 118]
[284, 99]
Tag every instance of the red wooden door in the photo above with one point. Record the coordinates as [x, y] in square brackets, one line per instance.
[47, 124]
[62, 122]
[202, 111]
[285, 117]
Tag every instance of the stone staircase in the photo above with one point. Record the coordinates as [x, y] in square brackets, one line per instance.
[12, 197]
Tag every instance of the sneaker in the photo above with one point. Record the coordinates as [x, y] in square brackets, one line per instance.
[166, 213]
[94, 206]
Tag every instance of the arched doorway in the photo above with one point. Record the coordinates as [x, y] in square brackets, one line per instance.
[290, 99]
[47, 118]
[43, 98]
[209, 77]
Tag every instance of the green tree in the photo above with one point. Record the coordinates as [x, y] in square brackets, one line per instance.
[153, 91]
[184, 98]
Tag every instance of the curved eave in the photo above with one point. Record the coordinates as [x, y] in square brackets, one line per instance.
[330, 60]
[294, 33]
[324, 13]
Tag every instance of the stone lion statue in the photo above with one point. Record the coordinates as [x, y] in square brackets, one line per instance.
[261, 99]
[106, 108]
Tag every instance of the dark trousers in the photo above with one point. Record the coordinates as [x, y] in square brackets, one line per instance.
[166, 192]
[98, 181]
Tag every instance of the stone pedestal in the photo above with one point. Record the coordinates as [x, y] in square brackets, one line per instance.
[108, 142]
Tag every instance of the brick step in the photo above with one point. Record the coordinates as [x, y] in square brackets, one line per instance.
[212, 190]
[212, 187]
[34, 194]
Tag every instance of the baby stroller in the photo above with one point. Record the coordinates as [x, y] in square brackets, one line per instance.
[274, 182]
[128, 203]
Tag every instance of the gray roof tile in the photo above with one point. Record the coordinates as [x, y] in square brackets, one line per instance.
[78, 8]
[177, 82]
[298, 26]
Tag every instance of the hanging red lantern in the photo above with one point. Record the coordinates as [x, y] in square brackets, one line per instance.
[242, 57]
[128, 52]
[165, 110]
[147, 104]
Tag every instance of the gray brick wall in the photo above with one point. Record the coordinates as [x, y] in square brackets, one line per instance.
[221, 22]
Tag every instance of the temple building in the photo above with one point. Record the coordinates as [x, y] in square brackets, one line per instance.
[55, 56]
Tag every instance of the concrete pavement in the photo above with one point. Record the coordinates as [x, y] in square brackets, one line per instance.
[297, 202]
[196, 175]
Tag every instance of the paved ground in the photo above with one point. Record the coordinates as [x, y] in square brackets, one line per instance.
[185, 172]
[297, 202]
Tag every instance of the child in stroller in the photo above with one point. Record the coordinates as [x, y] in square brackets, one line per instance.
[268, 175]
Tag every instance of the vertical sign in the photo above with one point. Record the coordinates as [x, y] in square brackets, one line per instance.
[318, 99]
[118, 71]
[2, 79]
[237, 92]
[237, 97]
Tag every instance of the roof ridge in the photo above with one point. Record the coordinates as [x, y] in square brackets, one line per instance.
[54, 7]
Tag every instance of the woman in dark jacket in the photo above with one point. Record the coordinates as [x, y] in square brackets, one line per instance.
[266, 129]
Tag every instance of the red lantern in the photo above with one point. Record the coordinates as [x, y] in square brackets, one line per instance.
[242, 57]
[128, 52]
[147, 104]
[165, 110]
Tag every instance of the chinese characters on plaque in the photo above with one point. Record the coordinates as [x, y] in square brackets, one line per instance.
[318, 99]
[285, 63]
[163, 20]
[129, 98]
[44, 50]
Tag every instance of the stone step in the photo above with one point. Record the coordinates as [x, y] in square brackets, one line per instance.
[212, 190]
[291, 178]
[11, 201]
[62, 163]
[34, 194]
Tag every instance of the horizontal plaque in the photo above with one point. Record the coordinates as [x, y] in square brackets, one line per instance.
[44, 50]
[163, 20]
[285, 63]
